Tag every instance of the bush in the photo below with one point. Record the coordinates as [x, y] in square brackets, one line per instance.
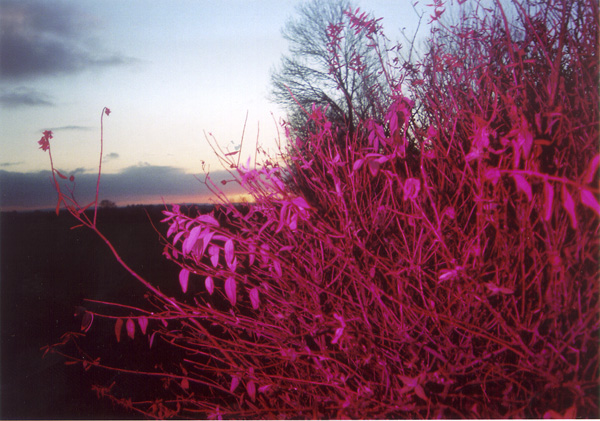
[441, 263]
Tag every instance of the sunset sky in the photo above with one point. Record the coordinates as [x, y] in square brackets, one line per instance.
[168, 70]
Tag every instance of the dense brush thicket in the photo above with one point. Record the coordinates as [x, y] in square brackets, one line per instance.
[442, 262]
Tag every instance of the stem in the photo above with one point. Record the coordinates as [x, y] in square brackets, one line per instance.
[99, 164]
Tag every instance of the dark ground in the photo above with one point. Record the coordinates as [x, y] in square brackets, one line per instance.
[47, 270]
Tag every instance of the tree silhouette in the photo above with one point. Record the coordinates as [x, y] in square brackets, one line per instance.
[329, 65]
[107, 204]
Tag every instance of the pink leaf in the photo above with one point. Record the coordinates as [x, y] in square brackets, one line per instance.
[277, 268]
[208, 219]
[252, 249]
[118, 326]
[213, 252]
[357, 164]
[230, 290]
[254, 298]
[523, 185]
[411, 188]
[548, 199]
[143, 322]
[591, 169]
[206, 241]
[492, 174]
[569, 206]
[151, 340]
[420, 392]
[300, 202]
[251, 389]
[446, 274]
[373, 167]
[190, 242]
[184, 276]
[86, 321]
[177, 237]
[60, 175]
[264, 388]
[229, 252]
[233, 264]
[235, 381]
[588, 199]
[495, 289]
[130, 326]
[282, 217]
[294, 222]
[209, 284]
[338, 334]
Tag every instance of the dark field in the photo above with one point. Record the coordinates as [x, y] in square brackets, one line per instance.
[47, 270]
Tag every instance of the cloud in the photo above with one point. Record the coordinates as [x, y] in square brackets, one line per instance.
[133, 185]
[48, 38]
[83, 128]
[19, 97]
[10, 164]
[111, 157]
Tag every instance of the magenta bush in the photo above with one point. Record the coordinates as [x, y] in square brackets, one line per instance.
[440, 263]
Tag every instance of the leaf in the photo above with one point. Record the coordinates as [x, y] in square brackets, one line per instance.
[185, 384]
[143, 322]
[251, 389]
[373, 167]
[118, 326]
[588, 199]
[190, 241]
[410, 382]
[282, 217]
[229, 252]
[177, 237]
[254, 298]
[86, 321]
[420, 392]
[411, 188]
[151, 340]
[523, 185]
[59, 174]
[264, 388]
[495, 289]
[492, 174]
[230, 290]
[338, 334]
[208, 219]
[209, 284]
[184, 276]
[569, 205]
[130, 326]
[206, 241]
[591, 169]
[277, 268]
[213, 252]
[235, 381]
[357, 164]
[548, 199]
[301, 203]
[446, 274]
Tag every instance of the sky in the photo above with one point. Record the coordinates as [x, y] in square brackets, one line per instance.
[171, 72]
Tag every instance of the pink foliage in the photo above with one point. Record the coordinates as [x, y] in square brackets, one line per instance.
[415, 267]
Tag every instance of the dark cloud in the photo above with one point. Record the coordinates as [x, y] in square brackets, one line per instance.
[20, 97]
[138, 184]
[40, 38]
[82, 128]
[111, 156]
[10, 164]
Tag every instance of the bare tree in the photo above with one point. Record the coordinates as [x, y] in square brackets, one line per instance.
[329, 65]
